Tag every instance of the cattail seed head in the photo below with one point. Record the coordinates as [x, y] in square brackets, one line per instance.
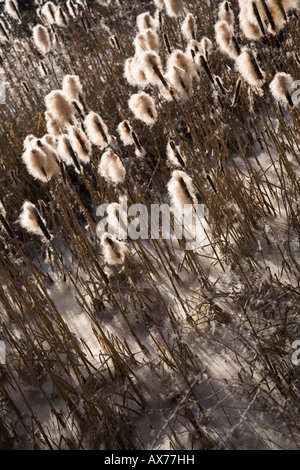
[113, 250]
[250, 30]
[38, 164]
[61, 18]
[151, 64]
[67, 153]
[134, 73]
[181, 189]
[180, 81]
[48, 11]
[97, 130]
[80, 144]
[111, 168]
[224, 34]
[60, 107]
[41, 39]
[71, 86]
[143, 107]
[146, 21]
[175, 158]
[248, 68]
[189, 27]
[32, 222]
[124, 130]
[52, 125]
[181, 60]
[11, 8]
[173, 7]
[225, 13]
[281, 88]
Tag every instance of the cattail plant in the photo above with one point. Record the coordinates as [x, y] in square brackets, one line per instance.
[41, 39]
[248, 68]
[145, 21]
[111, 168]
[181, 189]
[151, 65]
[11, 8]
[72, 8]
[40, 165]
[189, 27]
[175, 158]
[61, 19]
[66, 152]
[125, 133]
[207, 47]
[134, 73]
[49, 11]
[80, 144]
[224, 34]
[32, 221]
[143, 107]
[173, 7]
[281, 88]
[251, 30]
[181, 60]
[225, 13]
[97, 130]
[72, 87]
[114, 251]
[52, 125]
[60, 107]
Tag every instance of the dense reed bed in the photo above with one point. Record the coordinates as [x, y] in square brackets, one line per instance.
[145, 343]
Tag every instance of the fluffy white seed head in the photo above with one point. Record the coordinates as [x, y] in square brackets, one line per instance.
[65, 149]
[181, 60]
[11, 8]
[250, 30]
[124, 130]
[173, 156]
[71, 86]
[180, 81]
[225, 13]
[111, 168]
[97, 130]
[281, 86]
[48, 11]
[146, 21]
[253, 75]
[52, 125]
[41, 39]
[61, 18]
[80, 144]
[113, 250]
[38, 164]
[60, 107]
[151, 64]
[145, 41]
[189, 27]
[207, 46]
[181, 189]
[134, 73]
[28, 219]
[159, 4]
[49, 140]
[173, 7]
[72, 8]
[224, 34]
[143, 107]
